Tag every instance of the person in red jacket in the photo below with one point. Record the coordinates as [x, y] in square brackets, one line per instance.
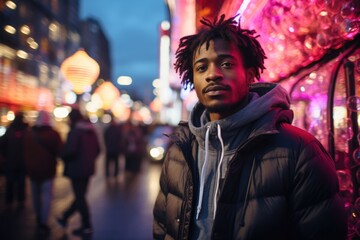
[79, 153]
[238, 169]
[42, 146]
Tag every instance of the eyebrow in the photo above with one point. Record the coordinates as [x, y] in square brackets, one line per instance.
[200, 61]
[221, 56]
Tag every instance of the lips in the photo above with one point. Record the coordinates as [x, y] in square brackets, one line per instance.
[213, 88]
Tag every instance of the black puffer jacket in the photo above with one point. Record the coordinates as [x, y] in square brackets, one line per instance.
[280, 183]
[272, 192]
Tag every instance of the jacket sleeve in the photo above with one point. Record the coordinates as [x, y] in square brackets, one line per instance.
[319, 211]
[159, 212]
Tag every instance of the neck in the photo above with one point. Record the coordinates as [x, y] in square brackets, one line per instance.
[221, 115]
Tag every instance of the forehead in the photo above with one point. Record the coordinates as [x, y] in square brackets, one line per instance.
[219, 46]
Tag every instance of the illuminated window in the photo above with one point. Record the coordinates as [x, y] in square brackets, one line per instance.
[54, 31]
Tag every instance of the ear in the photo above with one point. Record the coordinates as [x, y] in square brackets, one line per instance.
[250, 75]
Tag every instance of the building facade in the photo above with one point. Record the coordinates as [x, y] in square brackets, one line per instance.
[36, 36]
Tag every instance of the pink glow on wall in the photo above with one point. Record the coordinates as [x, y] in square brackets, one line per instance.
[293, 35]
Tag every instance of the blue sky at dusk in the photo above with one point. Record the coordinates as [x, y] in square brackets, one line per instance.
[131, 27]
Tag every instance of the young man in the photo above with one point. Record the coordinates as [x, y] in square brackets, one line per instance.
[238, 169]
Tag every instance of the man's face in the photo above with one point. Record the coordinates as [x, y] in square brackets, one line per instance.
[220, 79]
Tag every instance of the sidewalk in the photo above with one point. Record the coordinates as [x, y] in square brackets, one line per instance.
[121, 208]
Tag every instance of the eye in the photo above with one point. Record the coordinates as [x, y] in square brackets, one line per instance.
[227, 65]
[200, 68]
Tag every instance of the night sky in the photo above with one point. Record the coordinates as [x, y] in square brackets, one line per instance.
[132, 28]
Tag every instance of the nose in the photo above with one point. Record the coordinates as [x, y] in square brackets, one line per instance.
[213, 73]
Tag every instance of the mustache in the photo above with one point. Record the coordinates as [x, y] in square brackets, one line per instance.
[215, 87]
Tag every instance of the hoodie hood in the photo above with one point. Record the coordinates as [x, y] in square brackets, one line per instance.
[269, 104]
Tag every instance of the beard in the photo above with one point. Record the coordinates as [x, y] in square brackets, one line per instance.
[225, 109]
[221, 108]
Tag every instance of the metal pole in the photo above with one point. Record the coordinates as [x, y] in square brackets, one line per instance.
[352, 115]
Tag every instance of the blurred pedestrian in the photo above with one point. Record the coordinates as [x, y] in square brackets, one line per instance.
[14, 165]
[80, 151]
[134, 146]
[42, 145]
[113, 146]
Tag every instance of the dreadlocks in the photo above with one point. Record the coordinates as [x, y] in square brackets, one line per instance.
[228, 30]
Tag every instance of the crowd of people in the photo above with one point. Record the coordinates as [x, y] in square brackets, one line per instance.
[125, 140]
[33, 151]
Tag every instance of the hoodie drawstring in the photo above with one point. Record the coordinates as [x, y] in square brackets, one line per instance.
[218, 173]
[218, 168]
[203, 169]
[202, 176]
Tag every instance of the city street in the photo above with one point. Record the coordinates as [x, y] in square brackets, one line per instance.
[121, 207]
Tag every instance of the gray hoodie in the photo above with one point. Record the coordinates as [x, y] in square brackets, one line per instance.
[218, 142]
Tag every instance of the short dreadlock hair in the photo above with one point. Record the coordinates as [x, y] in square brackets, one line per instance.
[228, 30]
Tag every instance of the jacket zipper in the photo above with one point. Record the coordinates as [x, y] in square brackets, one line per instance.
[251, 173]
